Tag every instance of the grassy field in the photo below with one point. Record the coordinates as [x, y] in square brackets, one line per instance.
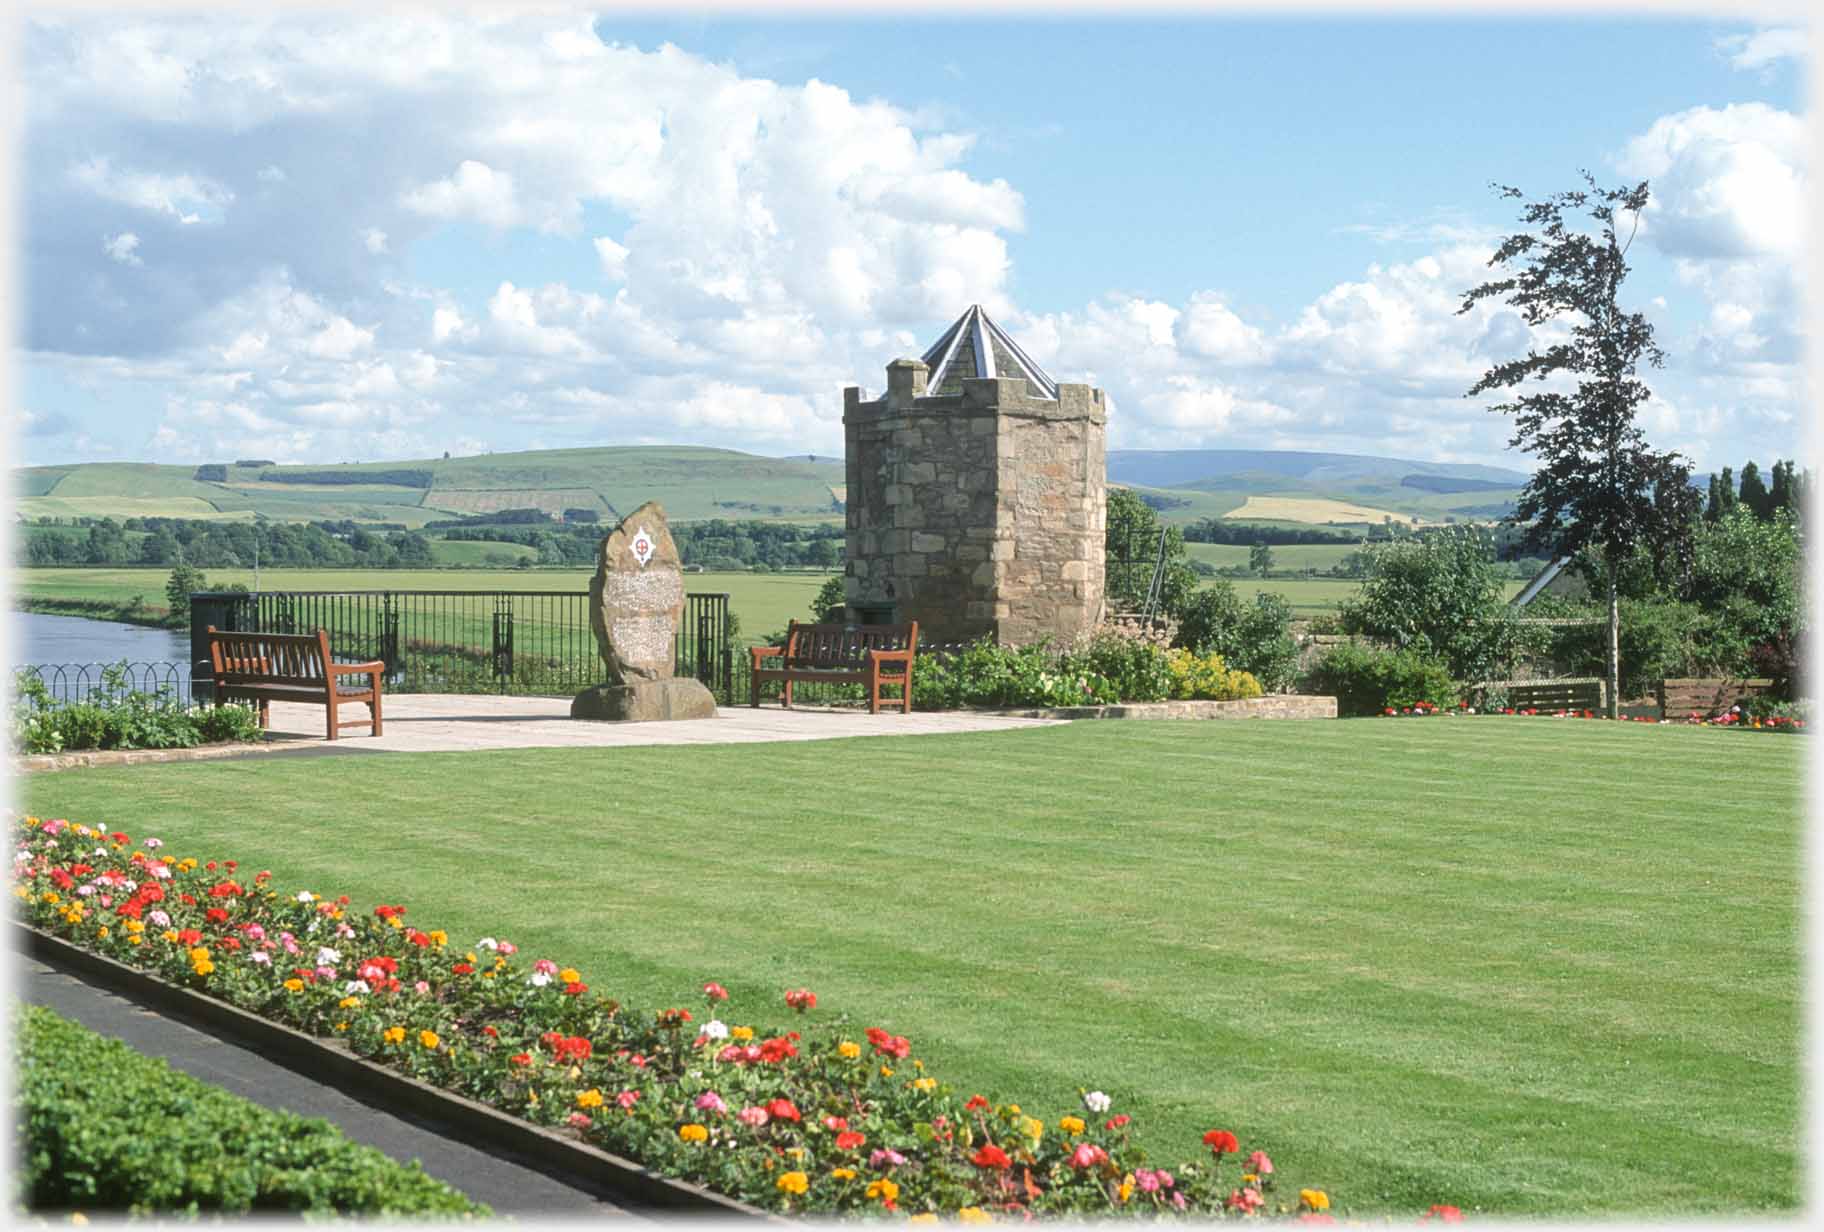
[1289, 556]
[1396, 955]
[763, 602]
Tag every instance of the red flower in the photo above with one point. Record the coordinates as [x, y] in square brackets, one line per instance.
[1087, 1155]
[189, 936]
[118, 837]
[991, 1156]
[417, 938]
[715, 992]
[62, 880]
[215, 915]
[575, 990]
[188, 901]
[80, 869]
[1117, 1121]
[975, 1101]
[1221, 1142]
[210, 866]
[1449, 1214]
[801, 999]
[264, 875]
[387, 913]
[490, 1032]
[782, 1110]
[521, 1058]
[835, 1122]
[232, 943]
[848, 1140]
[777, 1049]
[463, 969]
[889, 1045]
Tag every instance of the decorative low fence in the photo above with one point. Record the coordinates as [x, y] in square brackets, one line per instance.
[65, 683]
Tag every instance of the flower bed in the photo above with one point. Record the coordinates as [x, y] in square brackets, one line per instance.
[825, 1118]
[1735, 718]
[105, 1127]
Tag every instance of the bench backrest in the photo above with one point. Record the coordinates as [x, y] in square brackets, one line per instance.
[1553, 695]
[1681, 696]
[245, 658]
[834, 645]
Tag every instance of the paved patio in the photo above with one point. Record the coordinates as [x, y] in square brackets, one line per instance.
[449, 722]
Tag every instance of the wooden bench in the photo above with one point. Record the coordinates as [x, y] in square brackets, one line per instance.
[1705, 696]
[873, 655]
[292, 667]
[1551, 696]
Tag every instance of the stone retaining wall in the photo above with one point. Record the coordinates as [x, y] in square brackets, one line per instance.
[1275, 706]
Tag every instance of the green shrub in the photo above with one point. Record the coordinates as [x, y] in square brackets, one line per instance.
[1132, 661]
[116, 719]
[984, 674]
[105, 1128]
[1252, 637]
[1208, 678]
[1365, 680]
[1440, 596]
[832, 601]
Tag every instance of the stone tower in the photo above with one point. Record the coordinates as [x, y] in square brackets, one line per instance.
[976, 494]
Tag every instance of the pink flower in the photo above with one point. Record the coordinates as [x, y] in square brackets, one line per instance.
[715, 991]
[627, 1099]
[256, 932]
[327, 973]
[545, 966]
[730, 1053]
[1178, 1201]
[580, 1119]
[507, 947]
[1246, 1200]
[752, 1117]
[160, 918]
[1087, 1155]
[1259, 1164]
[1147, 1180]
[261, 957]
[885, 1159]
[709, 1101]
[420, 987]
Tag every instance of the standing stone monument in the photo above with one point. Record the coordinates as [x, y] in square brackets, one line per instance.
[635, 601]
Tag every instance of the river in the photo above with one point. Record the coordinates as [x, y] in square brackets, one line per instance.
[39, 638]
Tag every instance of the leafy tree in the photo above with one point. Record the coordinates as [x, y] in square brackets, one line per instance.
[1594, 488]
[1754, 494]
[1722, 496]
[185, 580]
[1251, 637]
[1131, 543]
[1441, 596]
[1260, 558]
[831, 603]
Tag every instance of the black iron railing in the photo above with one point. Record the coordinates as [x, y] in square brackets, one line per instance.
[457, 641]
[66, 683]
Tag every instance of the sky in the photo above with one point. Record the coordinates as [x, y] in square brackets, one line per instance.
[354, 235]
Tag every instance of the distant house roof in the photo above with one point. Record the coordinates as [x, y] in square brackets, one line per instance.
[976, 347]
[1533, 589]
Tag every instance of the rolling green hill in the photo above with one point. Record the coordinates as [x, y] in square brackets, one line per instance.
[695, 484]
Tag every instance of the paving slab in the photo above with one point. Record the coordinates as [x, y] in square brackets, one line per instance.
[511, 1186]
[455, 722]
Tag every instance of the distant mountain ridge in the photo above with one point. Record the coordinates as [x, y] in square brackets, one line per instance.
[1201, 468]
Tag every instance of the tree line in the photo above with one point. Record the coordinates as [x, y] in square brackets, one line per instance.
[227, 545]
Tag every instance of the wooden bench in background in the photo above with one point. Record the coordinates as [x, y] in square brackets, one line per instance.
[1551, 696]
[1705, 696]
[292, 667]
[872, 655]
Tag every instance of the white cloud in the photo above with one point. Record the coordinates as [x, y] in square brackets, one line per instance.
[184, 196]
[374, 240]
[613, 257]
[1765, 47]
[123, 248]
[475, 193]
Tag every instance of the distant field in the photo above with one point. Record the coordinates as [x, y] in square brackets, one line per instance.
[1290, 556]
[1303, 509]
[469, 553]
[763, 602]
[492, 500]
[121, 507]
[1316, 596]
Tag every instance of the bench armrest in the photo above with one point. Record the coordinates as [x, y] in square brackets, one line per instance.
[357, 669]
[890, 656]
[765, 652]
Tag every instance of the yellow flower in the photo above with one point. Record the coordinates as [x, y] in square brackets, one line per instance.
[1248, 1178]
[429, 1039]
[591, 1098]
[1314, 1199]
[203, 967]
[348, 1003]
[341, 1026]
[849, 1049]
[883, 1189]
[50, 896]
[135, 927]
[393, 1035]
[294, 984]
[886, 1071]
[1126, 1189]
[973, 1214]
[842, 1174]
[170, 934]
[741, 1033]
[694, 1133]
[923, 1217]
[1033, 1128]
[487, 975]
[918, 1065]
[198, 954]
[1012, 1110]
[186, 864]
[470, 956]
[570, 975]
[793, 1182]
[1072, 1125]
[438, 937]
[21, 892]
[924, 1084]
[395, 921]
[136, 939]
[102, 931]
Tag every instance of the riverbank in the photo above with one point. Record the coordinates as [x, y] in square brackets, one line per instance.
[131, 612]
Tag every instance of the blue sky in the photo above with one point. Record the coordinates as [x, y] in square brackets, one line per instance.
[324, 237]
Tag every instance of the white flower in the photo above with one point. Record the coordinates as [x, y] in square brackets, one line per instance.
[305, 896]
[85, 890]
[715, 1029]
[1097, 1102]
[261, 957]
[356, 986]
[487, 943]
[327, 957]
[153, 844]
[538, 979]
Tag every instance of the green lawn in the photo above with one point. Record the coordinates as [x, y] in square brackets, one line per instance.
[763, 602]
[1516, 965]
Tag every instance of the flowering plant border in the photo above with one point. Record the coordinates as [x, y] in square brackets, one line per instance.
[795, 1121]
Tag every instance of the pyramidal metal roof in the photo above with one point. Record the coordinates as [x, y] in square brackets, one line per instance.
[976, 347]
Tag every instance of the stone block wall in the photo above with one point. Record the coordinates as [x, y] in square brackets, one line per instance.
[980, 512]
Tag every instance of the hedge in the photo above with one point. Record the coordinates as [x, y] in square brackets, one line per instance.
[103, 1127]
